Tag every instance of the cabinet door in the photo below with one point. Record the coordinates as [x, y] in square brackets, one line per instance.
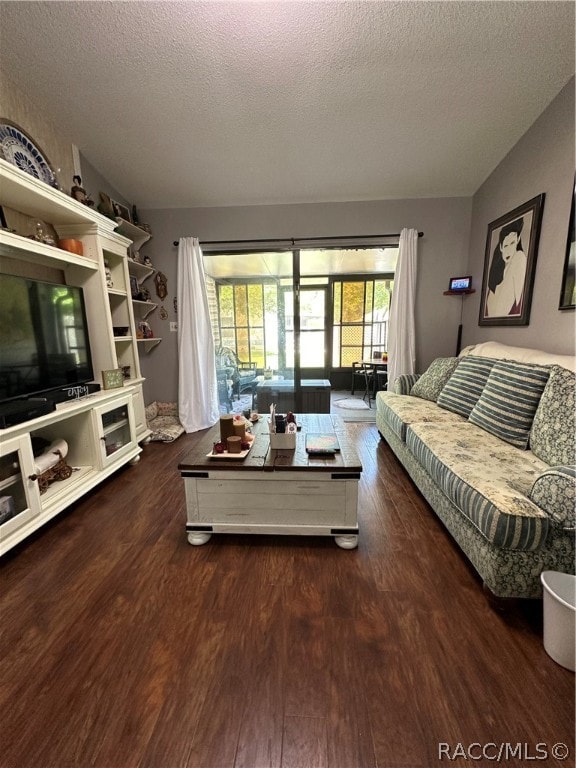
[115, 427]
[19, 494]
[142, 431]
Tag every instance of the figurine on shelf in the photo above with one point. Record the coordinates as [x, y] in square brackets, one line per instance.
[79, 193]
[147, 261]
[43, 234]
[108, 273]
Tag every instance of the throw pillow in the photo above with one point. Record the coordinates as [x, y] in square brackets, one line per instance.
[462, 390]
[432, 381]
[553, 434]
[509, 400]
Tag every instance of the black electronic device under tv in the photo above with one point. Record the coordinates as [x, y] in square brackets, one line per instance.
[44, 343]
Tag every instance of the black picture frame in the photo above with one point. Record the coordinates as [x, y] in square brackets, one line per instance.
[134, 289]
[568, 290]
[510, 265]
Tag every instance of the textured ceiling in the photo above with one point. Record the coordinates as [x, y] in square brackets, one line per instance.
[184, 104]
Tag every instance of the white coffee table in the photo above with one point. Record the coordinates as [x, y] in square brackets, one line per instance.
[274, 491]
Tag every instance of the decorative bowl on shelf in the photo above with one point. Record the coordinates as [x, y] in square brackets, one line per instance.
[120, 330]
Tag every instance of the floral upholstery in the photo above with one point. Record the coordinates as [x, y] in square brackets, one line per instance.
[486, 478]
[511, 511]
[162, 419]
[505, 572]
[402, 410]
[432, 381]
[555, 492]
[553, 434]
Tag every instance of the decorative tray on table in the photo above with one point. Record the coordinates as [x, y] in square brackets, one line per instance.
[214, 454]
[226, 455]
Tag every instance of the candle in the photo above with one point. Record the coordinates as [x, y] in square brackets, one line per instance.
[240, 429]
[226, 427]
[234, 444]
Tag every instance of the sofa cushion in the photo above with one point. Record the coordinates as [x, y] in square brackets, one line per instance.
[400, 410]
[555, 492]
[464, 387]
[509, 400]
[487, 479]
[553, 434]
[432, 381]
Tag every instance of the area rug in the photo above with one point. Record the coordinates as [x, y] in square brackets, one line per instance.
[352, 404]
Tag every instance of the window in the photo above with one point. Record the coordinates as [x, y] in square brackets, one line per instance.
[360, 319]
[248, 321]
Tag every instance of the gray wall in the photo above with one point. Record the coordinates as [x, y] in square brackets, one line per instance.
[442, 252]
[542, 161]
[94, 183]
[54, 140]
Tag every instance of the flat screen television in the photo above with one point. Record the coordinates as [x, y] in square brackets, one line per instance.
[44, 343]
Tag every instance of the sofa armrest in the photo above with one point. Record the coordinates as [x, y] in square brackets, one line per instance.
[405, 382]
[554, 491]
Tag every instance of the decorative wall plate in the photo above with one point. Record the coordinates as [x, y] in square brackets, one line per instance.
[18, 148]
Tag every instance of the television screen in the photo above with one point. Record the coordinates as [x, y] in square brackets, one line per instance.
[44, 341]
[460, 283]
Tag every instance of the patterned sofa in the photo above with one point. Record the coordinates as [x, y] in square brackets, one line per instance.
[489, 439]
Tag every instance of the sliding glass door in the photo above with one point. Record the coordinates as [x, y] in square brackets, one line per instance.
[298, 314]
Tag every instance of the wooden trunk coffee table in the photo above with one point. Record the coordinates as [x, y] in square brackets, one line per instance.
[274, 491]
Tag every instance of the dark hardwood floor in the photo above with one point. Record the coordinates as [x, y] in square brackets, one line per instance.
[124, 647]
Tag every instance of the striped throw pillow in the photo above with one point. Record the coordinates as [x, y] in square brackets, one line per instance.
[509, 401]
[463, 389]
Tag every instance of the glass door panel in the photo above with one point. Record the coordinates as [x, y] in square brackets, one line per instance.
[116, 430]
[20, 500]
[253, 319]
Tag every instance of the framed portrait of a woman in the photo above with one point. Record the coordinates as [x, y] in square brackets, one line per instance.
[510, 264]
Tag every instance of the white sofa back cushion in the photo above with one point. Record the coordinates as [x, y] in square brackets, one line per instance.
[520, 354]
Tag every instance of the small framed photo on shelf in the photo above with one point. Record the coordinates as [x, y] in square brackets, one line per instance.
[122, 211]
[113, 378]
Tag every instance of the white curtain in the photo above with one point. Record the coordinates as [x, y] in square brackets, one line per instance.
[197, 387]
[402, 331]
